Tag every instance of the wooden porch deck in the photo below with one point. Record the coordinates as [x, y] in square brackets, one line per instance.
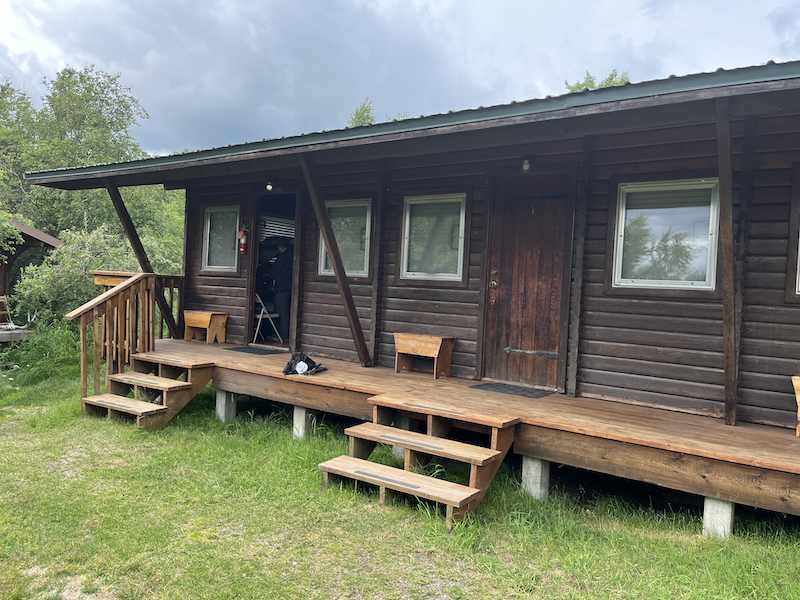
[756, 465]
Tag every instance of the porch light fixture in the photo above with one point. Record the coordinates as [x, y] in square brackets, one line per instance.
[527, 162]
[269, 186]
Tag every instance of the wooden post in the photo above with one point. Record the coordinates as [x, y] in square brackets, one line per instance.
[726, 253]
[297, 274]
[141, 255]
[745, 198]
[318, 201]
[576, 287]
[84, 358]
[120, 354]
[109, 335]
[96, 343]
[374, 325]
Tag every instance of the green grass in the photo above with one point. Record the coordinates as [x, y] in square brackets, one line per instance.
[91, 508]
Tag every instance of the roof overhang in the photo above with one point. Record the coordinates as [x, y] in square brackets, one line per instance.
[285, 152]
[36, 234]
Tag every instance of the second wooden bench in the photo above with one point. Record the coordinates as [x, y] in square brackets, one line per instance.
[408, 345]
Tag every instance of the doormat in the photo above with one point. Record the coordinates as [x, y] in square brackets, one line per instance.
[514, 390]
[258, 351]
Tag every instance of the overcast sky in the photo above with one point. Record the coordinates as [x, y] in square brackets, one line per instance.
[213, 73]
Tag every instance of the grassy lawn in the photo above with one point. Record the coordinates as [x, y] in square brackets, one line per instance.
[96, 509]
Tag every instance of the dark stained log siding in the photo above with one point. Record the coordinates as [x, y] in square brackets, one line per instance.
[227, 292]
[407, 307]
[430, 309]
[325, 331]
[663, 351]
[668, 351]
[770, 350]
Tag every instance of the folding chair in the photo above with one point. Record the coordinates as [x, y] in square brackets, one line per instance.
[265, 313]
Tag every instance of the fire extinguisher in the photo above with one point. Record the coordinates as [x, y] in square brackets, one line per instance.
[243, 241]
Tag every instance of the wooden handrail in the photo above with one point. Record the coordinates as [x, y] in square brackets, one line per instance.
[102, 298]
[126, 319]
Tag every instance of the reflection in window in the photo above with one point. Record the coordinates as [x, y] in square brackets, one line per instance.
[220, 236]
[666, 235]
[433, 237]
[350, 221]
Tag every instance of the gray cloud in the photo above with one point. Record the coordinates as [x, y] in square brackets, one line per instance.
[785, 22]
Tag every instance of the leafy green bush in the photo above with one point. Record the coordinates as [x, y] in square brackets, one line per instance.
[46, 292]
[63, 282]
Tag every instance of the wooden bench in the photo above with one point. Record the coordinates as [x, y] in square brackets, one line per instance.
[213, 322]
[408, 345]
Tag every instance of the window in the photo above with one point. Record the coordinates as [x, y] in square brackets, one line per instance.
[220, 229]
[433, 237]
[793, 271]
[666, 235]
[350, 220]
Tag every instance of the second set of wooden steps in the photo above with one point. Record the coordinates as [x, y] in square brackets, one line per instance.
[160, 385]
[440, 419]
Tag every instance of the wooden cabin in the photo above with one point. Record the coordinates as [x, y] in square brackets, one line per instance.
[631, 250]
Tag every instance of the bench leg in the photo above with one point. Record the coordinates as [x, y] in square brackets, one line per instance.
[215, 333]
[402, 361]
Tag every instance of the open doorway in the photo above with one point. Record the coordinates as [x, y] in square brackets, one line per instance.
[273, 276]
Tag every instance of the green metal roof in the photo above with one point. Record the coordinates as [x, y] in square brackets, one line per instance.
[93, 176]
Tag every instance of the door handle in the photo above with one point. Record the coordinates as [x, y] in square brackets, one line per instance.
[492, 285]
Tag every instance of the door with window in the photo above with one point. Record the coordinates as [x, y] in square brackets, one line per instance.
[526, 275]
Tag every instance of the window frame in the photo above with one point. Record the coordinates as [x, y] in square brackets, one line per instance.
[792, 295]
[616, 283]
[323, 251]
[460, 277]
[207, 212]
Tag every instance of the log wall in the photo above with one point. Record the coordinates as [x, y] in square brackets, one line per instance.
[213, 291]
[770, 348]
[668, 351]
[661, 350]
[664, 351]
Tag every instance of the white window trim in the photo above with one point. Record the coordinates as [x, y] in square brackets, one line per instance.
[206, 224]
[797, 276]
[408, 202]
[711, 265]
[323, 253]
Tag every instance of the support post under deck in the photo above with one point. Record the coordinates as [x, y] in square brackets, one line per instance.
[536, 477]
[718, 518]
[226, 406]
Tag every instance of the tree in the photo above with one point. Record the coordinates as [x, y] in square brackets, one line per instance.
[645, 257]
[590, 82]
[9, 235]
[363, 115]
[85, 118]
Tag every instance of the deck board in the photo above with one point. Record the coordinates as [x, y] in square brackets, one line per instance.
[760, 446]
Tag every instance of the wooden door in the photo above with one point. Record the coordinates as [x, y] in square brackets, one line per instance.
[526, 264]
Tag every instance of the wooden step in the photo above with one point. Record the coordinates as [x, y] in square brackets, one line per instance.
[464, 409]
[451, 494]
[152, 382]
[172, 361]
[125, 405]
[436, 446]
